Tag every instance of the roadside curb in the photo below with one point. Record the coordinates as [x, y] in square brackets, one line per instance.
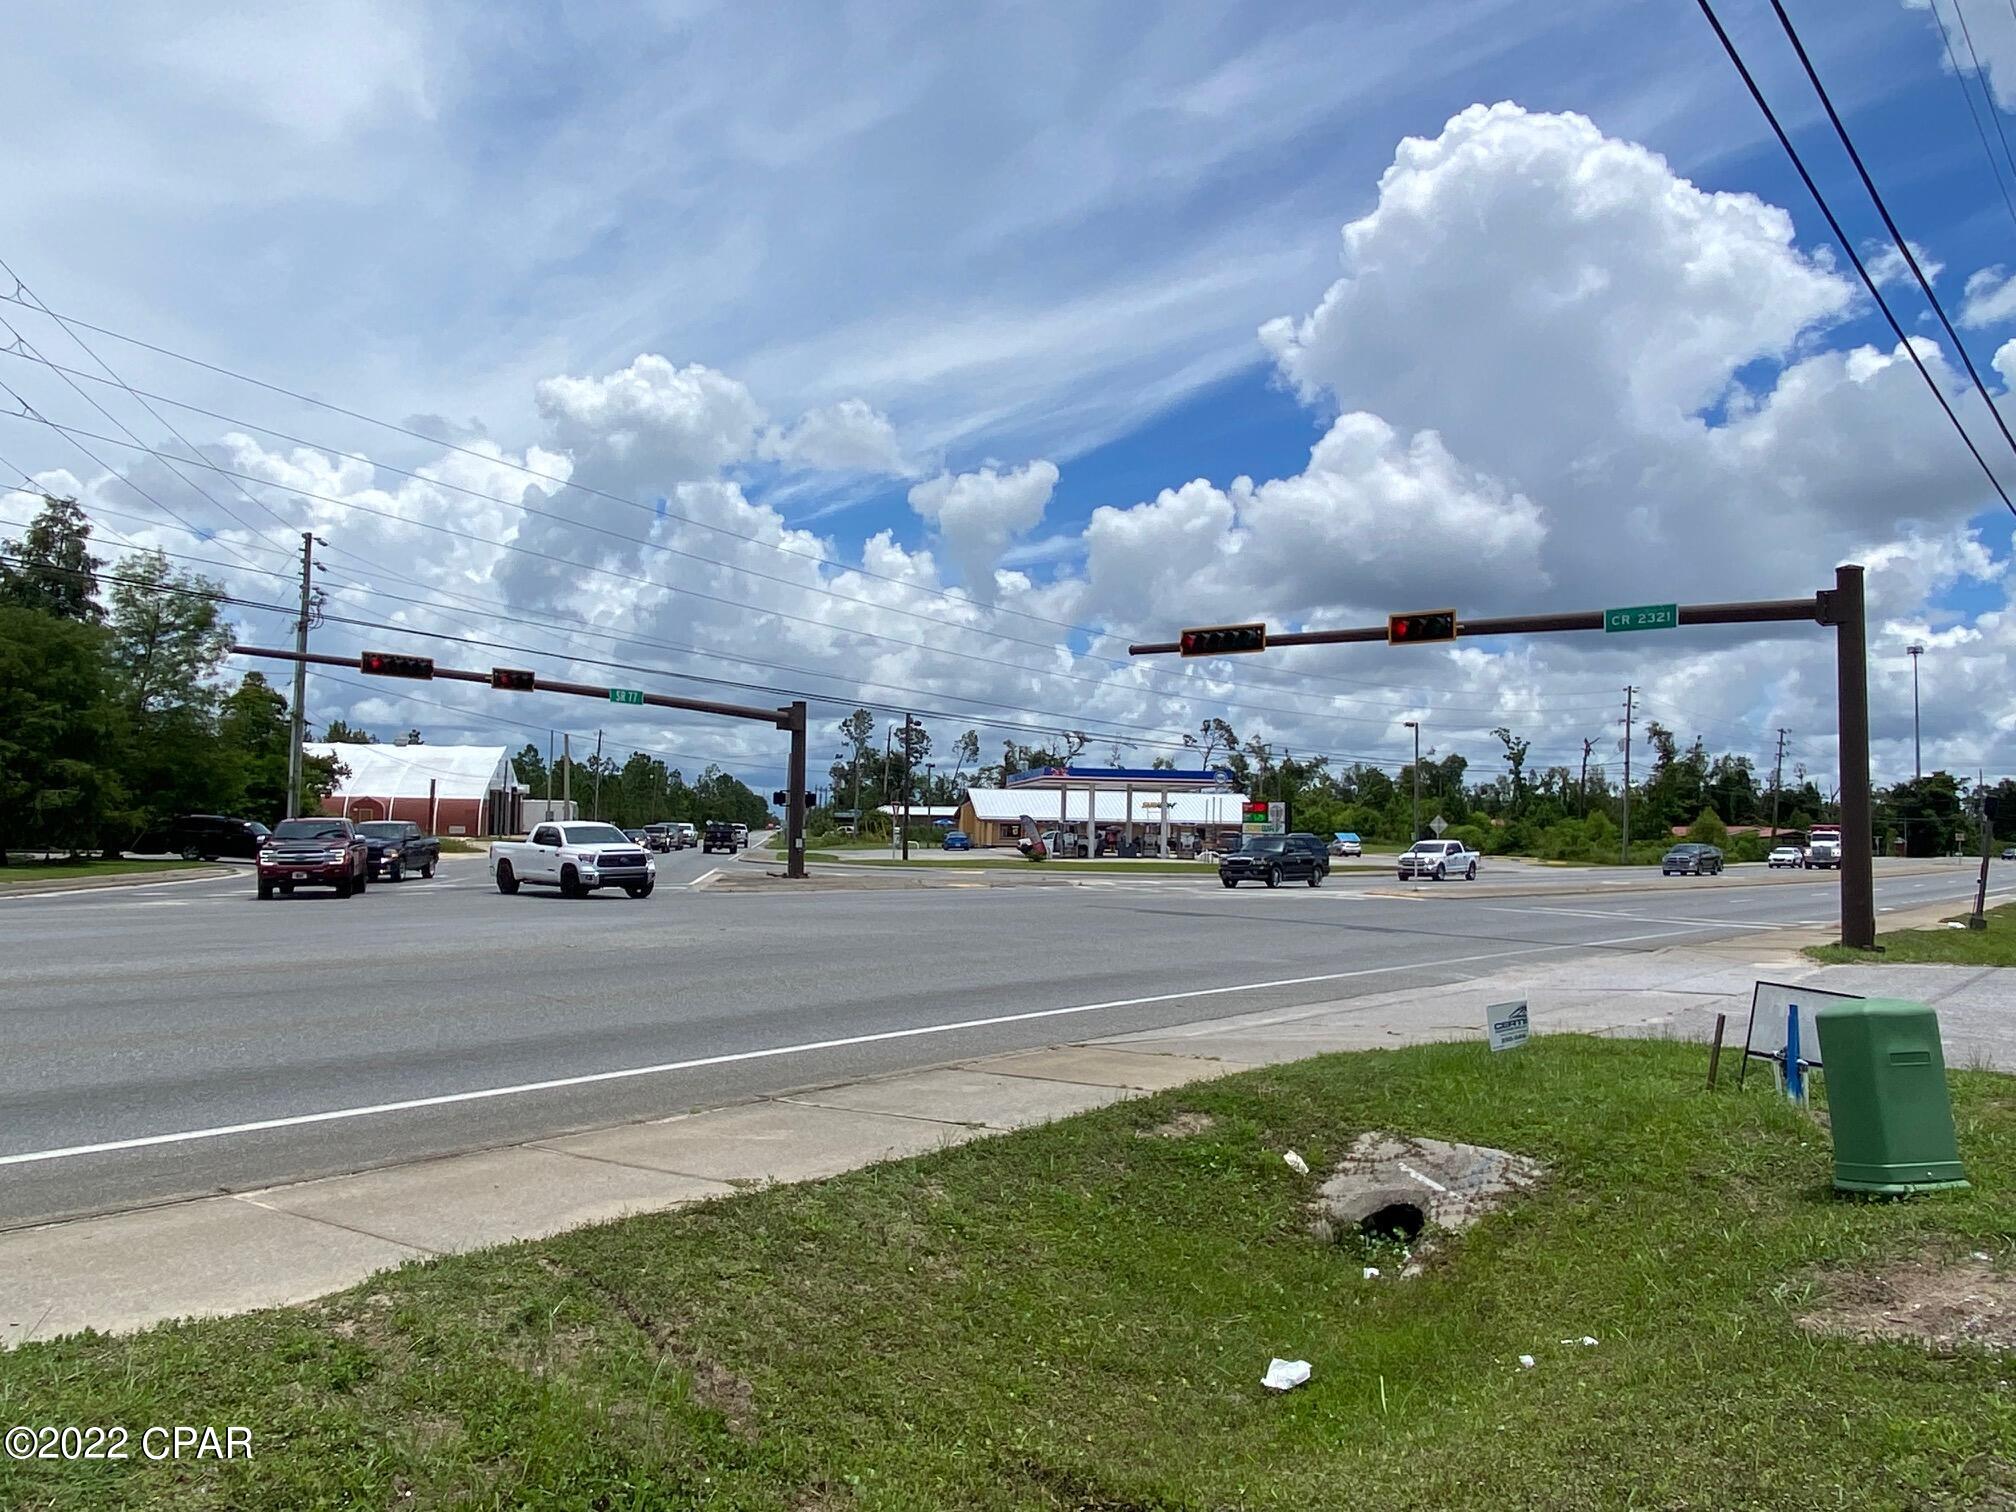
[1607, 889]
[100, 884]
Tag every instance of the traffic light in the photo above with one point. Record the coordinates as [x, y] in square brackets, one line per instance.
[390, 664]
[1222, 640]
[1415, 629]
[511, 679]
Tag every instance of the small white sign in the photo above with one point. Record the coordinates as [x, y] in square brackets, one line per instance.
[1505, 1024]
[1438, 824]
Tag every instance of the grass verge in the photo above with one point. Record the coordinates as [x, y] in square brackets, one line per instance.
[67, 871]
[1078, 1316]
[1993, 946]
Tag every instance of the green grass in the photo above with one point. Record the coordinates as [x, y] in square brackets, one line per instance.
[1993, 946]
[1078, 1316]
[19, 871]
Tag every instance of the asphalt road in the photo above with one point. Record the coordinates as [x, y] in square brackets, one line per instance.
[161, 1021]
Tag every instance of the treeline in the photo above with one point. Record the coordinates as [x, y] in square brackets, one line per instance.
[1553, 811]
[643, 790]
[114, 716]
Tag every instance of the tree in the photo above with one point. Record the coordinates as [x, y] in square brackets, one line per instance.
[1708, 829]
[343, 733]
[1074, 742]
[1212, 736]
[255, 728]
[59, 782]
[965, 751]
[858, 730]
[52, 568]
[1515, 758]
[413, 738]
[167, 642]
[528, 766]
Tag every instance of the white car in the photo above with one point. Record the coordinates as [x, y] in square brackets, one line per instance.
[741, 837]
[1786, 855]
[1438, 859]
[576, 858]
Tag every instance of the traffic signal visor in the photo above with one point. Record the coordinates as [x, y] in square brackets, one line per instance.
[1421, 628]
[1221, 640]
[391, 664]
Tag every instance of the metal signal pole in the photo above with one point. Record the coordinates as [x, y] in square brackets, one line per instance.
[1415, 726]
[1624, 858]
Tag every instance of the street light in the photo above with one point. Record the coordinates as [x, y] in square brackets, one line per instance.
[1917, 751]
[1415, 726]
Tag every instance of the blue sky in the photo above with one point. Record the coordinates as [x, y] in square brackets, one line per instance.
[979, 242]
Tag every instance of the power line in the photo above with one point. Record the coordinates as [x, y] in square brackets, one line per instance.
[659, 546]
[1960, 79]
[1848, 247]
[632, 580]
[1890, 223]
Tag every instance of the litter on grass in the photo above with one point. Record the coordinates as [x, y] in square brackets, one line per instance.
[1525, 1362]
[1371, 1273]
[1285, 1375]
[1296, 1163]
[1585, 1341]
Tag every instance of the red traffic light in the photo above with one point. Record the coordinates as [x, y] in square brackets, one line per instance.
[1427, 626]
[512, 679]
[391, 664]
[1222, 640]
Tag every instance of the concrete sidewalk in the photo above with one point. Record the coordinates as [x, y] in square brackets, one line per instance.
[280, 1245]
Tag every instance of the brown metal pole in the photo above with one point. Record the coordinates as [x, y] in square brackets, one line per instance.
[794, 809]
[1844, 610]
[906, 786]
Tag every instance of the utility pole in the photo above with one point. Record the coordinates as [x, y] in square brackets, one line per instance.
[1582, 789]
[1624, 855]
[1917, 750]
[595, 766]
[299, 730]
[907, 726]
[1778, 780]
[1415, 726]
[549, 776]
[567, 774]
[888, 760]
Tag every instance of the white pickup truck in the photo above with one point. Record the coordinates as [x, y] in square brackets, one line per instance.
[1438, 859]
[576, 858]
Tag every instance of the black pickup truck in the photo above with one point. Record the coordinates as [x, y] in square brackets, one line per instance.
[719, 835]
[399, 846]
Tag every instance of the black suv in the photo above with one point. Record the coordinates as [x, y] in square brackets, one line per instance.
[1302, 840]
[719, 835]
[399, 846]
[204, 837]
[1272, 859]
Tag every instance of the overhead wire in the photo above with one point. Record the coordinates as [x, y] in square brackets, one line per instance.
[1848, 247]
[1960, 79]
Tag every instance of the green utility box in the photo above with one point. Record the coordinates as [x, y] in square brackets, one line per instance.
[1886, 1097]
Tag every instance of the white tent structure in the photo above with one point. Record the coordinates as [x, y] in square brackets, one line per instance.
[454, 790]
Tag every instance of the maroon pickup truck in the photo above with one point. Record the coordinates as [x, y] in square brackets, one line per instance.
[314, 853]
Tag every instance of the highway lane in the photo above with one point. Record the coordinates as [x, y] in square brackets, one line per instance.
[161, 1013]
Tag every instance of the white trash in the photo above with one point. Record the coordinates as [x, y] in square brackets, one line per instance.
[1525, 1362]
[1371, 1273]
[1585, 1341]
[1296, 1163]
[1285, 1375]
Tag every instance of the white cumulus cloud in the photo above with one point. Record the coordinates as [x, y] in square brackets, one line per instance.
[978, 514]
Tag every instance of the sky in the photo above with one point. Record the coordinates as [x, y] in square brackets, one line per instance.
[927, 356]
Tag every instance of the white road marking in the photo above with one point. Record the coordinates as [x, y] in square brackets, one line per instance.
[116, 888]
[1590, 913]
[484, 1094]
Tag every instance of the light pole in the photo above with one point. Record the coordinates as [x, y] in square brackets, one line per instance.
[1917, 750]
[1415, 726]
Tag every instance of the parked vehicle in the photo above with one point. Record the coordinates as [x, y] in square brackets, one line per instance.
[1302, 840]
[314, 853]
[2009, 853]
[741, 836]
[1691, 860]
[956, 840]
[1344, 843]
[1786, 855]
[399, 846]
[661, 837]
[204, 837]
[1823, 846]
[576, 858]
[1273, 860]
[720, 835]
[1438, 859]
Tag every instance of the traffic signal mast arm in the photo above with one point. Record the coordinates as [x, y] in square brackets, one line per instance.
[1816, 609]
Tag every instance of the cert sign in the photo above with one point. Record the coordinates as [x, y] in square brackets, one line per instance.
[1643, 617]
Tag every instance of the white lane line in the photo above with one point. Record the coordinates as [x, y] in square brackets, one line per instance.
[115, 889]
[482, 1094]
[1588, 913]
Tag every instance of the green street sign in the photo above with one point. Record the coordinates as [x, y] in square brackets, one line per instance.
[626, 695]
[1643, 617]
